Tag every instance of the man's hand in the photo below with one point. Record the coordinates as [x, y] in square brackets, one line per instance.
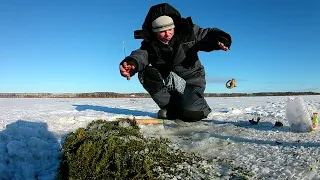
[223, 47]
[125, 70]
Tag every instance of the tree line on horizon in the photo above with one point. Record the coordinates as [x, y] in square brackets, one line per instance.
[140, 95]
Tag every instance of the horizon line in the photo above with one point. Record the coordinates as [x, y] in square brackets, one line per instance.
[147, 92]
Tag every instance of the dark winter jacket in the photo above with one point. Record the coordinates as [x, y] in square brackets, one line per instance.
[183, 48]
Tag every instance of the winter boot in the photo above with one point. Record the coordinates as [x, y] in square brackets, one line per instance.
[162, 114]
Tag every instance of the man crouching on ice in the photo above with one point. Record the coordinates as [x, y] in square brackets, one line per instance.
[168, 65]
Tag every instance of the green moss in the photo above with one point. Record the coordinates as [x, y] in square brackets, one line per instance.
[117, 150]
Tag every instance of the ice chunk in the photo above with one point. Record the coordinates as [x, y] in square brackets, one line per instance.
[298, 115]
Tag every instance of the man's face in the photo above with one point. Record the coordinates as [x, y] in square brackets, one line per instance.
[166, 36]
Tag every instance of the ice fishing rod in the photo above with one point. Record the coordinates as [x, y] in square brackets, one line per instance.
[129, 67]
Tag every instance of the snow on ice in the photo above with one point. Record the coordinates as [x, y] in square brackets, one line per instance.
[32, 130]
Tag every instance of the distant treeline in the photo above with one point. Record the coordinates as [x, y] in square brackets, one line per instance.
[141, 95]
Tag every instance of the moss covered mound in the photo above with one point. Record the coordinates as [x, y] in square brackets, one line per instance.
[117, 150]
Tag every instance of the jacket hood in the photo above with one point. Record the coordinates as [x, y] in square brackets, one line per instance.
[160, 10]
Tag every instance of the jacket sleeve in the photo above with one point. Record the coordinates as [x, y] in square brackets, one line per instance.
[206, 39]
[138, 58]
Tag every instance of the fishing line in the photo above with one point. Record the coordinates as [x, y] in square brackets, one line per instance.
[124, 49]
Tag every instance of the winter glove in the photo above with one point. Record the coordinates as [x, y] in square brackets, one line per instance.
[128, 67]
[225, 41]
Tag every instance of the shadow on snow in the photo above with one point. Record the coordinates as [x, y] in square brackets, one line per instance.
[29, 151]
[80, 107]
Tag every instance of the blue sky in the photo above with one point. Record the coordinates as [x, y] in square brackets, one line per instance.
[76, 46]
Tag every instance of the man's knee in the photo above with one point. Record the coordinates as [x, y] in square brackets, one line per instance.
[151, 80]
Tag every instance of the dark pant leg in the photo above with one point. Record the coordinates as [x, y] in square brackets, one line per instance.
[152, 82]
[190, 106]
[194, 107]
